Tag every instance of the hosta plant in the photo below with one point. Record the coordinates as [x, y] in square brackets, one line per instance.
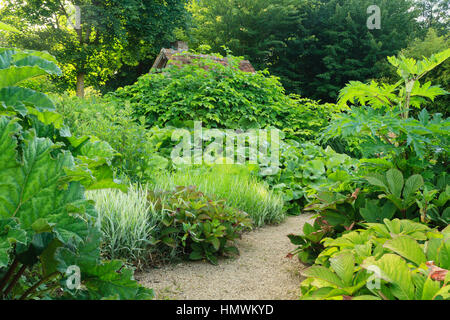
[307, 169]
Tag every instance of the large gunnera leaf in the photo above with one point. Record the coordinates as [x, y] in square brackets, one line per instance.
[101, 279]
[19, 65]
[30, 185]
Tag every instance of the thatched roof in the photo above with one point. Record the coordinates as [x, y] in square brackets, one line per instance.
[167, 55]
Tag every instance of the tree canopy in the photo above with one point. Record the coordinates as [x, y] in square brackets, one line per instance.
[92, 38]
[315, 46]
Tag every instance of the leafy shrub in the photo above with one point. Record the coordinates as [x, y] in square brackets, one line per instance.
[425, 47]
[46, 224]
[198, 226]
[129, 223]
[233, 184]
[109, 121]
[412, 261]
[306, 169]
[383, 126]
[410, 155]
[222, 97]
[310, 242]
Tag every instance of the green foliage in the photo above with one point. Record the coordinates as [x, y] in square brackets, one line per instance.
[404, 177]
[405, 93]
[222, 97]
[127, 33]
[432, 201]
[309, 242]
[400, 192]
[231, 183]
[395, 260]
[382, 196]
[306, 169]
[7, 28]
[386, 135]
[199, 226]
[383, 126]
[129, 223]
[266, 32]
[434, 14]
[137, 148]
[47, 224]
[314, 46]
[426, 47]
[334, 215]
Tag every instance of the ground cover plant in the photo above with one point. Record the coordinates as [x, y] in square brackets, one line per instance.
[196, 225]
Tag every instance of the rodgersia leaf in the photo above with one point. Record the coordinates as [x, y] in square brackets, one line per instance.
[394, 270]
[408, 248]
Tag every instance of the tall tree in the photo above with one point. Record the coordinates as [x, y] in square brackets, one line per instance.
[94, 38]
[265, 31]
[434, 14]
[315, 46]
[344, 48]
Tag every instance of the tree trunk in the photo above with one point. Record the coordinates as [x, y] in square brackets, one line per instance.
[80, 85]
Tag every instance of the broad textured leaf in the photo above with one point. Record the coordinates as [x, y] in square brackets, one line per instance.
[344, 265]
[408, 248]
[324, 274]
[395, 182]
[394, 270]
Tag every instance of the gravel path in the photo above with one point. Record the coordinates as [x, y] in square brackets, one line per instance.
[261, 272]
